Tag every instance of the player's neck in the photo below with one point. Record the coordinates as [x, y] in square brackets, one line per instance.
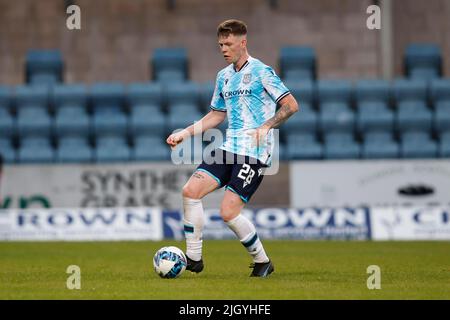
[238, 65]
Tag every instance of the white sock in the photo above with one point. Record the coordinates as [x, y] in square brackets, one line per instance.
[193, 226]
[246, 232]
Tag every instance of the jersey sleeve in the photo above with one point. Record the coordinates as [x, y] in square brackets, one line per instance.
[218, 102]
[273, 85]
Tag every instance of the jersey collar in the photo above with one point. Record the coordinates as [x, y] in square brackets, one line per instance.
[243, 66]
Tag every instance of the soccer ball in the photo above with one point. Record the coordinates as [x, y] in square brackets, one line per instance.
[169, 262]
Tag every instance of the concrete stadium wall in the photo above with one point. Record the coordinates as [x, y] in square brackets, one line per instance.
[117, 36]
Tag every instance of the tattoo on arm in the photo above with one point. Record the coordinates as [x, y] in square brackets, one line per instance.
[280, 116]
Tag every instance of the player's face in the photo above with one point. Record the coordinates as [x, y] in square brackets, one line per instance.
[232, 47]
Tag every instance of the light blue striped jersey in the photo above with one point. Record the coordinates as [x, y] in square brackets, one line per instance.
[249, 96]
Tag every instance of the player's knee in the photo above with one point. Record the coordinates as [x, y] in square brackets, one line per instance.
[190, 192]
[229, 210]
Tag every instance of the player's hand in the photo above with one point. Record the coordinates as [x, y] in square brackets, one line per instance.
[258, 135]
[175, 138]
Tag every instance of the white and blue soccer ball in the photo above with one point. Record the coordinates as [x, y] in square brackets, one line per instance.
[169, 262]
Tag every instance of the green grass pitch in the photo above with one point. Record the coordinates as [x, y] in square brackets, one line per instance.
[303, 270]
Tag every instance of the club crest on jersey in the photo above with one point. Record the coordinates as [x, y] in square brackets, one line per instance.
[247, 78]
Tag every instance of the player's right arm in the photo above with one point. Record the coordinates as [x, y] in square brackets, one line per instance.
[211, 120]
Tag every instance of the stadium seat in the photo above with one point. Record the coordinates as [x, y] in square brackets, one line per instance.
[111, 148]
[206, 93]
[418, 145]
[150, 148]
[374, 116]
[36, 149]
[178, 120]
[442, 116]
[183, 93]
[423, 61]
[74, 149]
[444, 145]
[7, 150]
[183, 105]
[334, 98]
[70, 103]
[32, 110]
[297, 63]
[44, 67]
[7, 124]
[440, 96]
[145, 101]
[147, 120]
[303, 146]
[413, 116]
[169, 64]
[109, 114]
[341, 146]
[380, 145]
[144, 94]
[373, 90]
[336, 117]
[409, 90]
[440, 90]
[411, 103]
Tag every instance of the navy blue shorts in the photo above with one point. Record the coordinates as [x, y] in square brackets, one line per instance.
[240, 174]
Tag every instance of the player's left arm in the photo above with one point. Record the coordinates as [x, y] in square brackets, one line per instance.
[288, 106]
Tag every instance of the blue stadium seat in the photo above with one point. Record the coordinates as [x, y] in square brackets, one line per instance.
[169, 64]
[413, 116]
[380, 145]
[33, 110]
[36, 149]
[374, 116]
[336, 117]
[423, 61]
[440, 90]
[341, 146]
[70, 103]
[335, 113]
[183, 93]
[303, 146]
[183, 105]
[297, 63]
[148, 120]
[178, 120]
[418, 145]
[44, 67]
[373, 90]
[409, 90]
[442, 116]
[7, 124]
[206, 93]
[440, 95]
[444, 146]
[145, 101]
[150, 148]
[112, 148]
[145, 95]
[7, 150]
[74, 149]
[109, 114]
